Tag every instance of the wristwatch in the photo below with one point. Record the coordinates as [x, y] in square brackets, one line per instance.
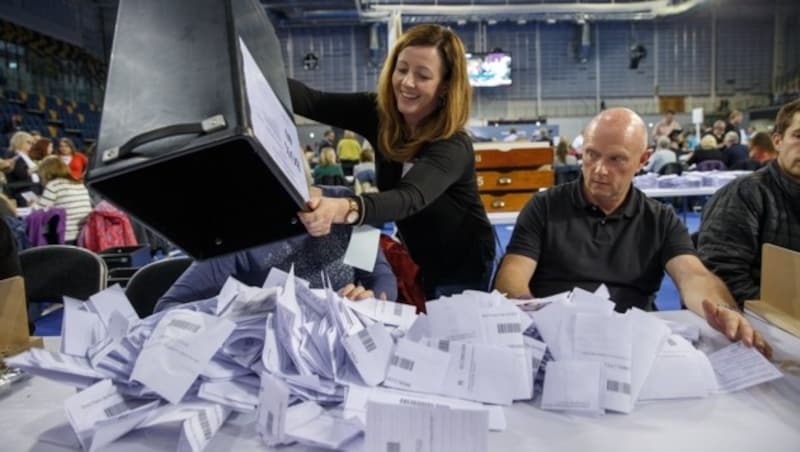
[353, 211]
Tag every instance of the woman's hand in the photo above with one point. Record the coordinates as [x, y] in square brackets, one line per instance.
[324, 212]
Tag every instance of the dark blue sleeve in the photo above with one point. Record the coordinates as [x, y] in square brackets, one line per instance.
[381, 279]
[203, 279]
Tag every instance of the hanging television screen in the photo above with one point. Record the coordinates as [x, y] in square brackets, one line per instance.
[489, 69]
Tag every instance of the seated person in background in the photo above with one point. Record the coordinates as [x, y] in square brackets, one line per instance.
[76, 161]
[310, 256]
[328, 172]
[365, 171]
[9, 261]
[18, 228]
[22, 177]
[349, 151]
[61, 189]
[562, 156]
[762, 150]
[41, 149]
[708, 150]
[732, 151]
[602, 229]
[762, 207]
[661, 156]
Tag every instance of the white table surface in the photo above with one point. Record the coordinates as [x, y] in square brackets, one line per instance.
[765, 418]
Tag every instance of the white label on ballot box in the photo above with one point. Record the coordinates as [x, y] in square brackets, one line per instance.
[272, 126]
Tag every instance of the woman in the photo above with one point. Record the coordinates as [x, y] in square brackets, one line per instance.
[76, 161]
[425, 162]
[708, 150]
[328, 172]
[62, 189]
[21, 178]
[349, 150]
[562, 155]
[41, 149]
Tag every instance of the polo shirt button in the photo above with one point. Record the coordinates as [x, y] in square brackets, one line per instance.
[602, 221]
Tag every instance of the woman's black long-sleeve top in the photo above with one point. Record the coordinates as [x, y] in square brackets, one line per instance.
[436, 205]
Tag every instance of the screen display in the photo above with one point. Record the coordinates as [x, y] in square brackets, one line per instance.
[489, 69]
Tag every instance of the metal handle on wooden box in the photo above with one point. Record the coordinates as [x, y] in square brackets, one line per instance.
[498, 204]
[505, 180]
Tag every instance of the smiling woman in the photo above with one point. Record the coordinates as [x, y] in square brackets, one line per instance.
[425, 164]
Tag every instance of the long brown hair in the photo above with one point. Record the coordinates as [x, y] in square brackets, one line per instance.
[452, 114]
[39, 149]
[52, 167]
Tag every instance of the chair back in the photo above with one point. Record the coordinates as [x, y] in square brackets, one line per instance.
[671, 168]
[152, 281]
[711, 165]
[52, 271]
[567, 173]
[329, 179]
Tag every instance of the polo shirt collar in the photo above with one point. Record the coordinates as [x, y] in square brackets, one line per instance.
[628, 209]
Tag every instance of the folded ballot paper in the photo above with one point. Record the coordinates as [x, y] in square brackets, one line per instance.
[307, 366]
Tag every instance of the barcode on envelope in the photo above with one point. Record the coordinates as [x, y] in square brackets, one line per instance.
[618, 386]
[116, 409]
[392, 446]
[366, 339]
[403, 363]
[184, 325]
[504, 328]
[270, 420]
[398, 309]
[202, 418]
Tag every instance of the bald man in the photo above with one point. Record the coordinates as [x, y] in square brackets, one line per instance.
[601, 229]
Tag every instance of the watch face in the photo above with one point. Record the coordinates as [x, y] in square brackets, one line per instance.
[352, 217]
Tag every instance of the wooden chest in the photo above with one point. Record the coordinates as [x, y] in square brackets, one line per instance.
[510, 173]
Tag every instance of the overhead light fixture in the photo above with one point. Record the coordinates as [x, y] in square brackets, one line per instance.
[491, 22]
[461, 22]
[522, 22]
[551, 21]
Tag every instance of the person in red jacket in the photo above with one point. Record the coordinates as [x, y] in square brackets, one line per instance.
[76, 161]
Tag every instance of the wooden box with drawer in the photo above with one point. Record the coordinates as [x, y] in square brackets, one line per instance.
[510, 173]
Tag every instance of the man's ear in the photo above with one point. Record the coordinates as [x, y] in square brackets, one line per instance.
[776, 140]
[645, 157]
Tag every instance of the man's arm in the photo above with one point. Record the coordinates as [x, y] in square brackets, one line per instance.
[707, 296]
[729, 239]
[514, 276]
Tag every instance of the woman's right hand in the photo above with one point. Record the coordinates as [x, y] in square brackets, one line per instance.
[324, 212]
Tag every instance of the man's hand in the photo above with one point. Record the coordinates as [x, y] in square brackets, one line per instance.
[734, 326]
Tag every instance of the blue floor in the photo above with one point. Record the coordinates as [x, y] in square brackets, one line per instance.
[667, 297]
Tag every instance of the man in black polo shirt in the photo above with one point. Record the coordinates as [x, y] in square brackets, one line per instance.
[601, 229]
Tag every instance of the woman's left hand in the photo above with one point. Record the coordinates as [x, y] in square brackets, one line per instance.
[324, 212]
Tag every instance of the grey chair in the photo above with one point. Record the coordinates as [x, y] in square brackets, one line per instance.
[152, 281]
[52, 271]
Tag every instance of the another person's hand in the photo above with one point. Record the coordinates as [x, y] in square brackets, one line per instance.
[6, 164]
[357, 293]
[734, 326]
[354, 292]
[324, 212]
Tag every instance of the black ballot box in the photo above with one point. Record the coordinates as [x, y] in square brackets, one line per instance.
[197, 139]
